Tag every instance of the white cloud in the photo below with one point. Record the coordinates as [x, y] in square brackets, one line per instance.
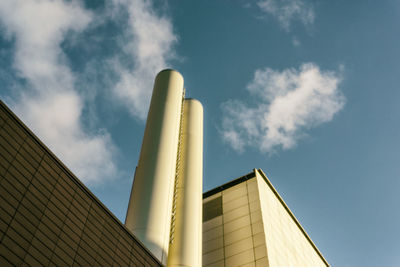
[286, 11]
[39, 28]
[49, 103]
[149, 40]
[55, 116]
[288, 103]
[53, 98]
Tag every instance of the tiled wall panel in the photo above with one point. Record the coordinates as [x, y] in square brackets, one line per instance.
[48, 217]
[235, 238]
[254, 229]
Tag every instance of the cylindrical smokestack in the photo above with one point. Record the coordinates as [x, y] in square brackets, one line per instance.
[186, 237]
[150, 204]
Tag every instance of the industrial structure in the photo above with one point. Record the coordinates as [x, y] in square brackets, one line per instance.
[247, 223]
[165, 207]
[48, 217]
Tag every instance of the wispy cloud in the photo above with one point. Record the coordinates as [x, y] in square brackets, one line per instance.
[60, 104]
[287, 103]
[48, 101]
[148, 41]
[287, 11]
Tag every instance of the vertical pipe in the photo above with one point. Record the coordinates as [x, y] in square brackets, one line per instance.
[149, 210]
[186, 245]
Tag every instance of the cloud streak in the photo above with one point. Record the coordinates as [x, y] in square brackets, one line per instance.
[60, 105]
[148, 40]
[287, 103]
[287, 11]
[47, 101]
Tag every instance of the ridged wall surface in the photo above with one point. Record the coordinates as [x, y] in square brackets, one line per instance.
[48, 217]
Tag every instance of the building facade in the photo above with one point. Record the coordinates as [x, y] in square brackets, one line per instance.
[48, 217]
[246, 223]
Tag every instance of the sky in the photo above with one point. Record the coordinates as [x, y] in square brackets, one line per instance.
[306, 90]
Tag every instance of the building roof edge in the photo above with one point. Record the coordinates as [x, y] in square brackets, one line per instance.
[75, 178]
[265, 178]
[229, 184]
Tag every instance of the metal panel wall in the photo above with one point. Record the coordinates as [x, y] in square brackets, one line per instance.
[256, 228]
[47, 216]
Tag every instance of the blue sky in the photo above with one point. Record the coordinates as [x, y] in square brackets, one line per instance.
[306, 90]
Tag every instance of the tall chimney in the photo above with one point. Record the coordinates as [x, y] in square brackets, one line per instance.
[150, 204]
[186, 229]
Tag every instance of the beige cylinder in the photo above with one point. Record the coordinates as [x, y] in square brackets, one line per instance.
[150, 204]
[186, 238]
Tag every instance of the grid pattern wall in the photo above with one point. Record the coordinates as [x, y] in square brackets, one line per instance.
[47, 217]
[235, 238]
[287, 244]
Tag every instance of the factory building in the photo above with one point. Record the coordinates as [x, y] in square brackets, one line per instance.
[48, 217]
[246, 223]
